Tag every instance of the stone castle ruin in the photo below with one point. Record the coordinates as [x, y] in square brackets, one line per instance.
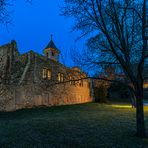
[31, 79]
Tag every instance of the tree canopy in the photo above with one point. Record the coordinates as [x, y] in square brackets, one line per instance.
[119, 31]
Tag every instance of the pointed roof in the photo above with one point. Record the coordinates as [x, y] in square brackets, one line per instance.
[51, 45]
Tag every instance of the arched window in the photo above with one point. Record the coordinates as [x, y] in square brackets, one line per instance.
[52, 53]
[47, 54]
[49, 74]
[46, 73]
[60, 77]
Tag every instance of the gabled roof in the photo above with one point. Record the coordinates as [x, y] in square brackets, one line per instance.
[51, 45]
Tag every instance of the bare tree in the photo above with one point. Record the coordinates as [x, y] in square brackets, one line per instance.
[5, 13]
[120, 29]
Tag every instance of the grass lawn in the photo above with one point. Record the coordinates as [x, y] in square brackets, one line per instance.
[84, 125]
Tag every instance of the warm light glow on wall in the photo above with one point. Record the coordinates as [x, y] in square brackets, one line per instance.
[146, 108]
[145, 85]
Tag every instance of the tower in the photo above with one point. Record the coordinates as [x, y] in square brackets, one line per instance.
[51, 51]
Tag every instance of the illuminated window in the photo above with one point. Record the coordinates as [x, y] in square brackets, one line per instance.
[44, 73]
[60, 77]
[70, 80]
[81, 83]
[49, 74]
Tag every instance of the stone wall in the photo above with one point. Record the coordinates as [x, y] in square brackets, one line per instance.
[26, 96]
[27, 86]
[6, 56]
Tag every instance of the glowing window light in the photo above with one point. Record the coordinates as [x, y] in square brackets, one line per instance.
[60, 77]
[44, 73]
[49, 74]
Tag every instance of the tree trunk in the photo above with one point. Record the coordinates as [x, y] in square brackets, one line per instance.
[140, 114]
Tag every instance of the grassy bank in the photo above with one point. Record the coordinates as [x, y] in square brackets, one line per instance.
[85, 125]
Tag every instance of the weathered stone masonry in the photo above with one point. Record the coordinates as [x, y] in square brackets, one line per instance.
[32, 79]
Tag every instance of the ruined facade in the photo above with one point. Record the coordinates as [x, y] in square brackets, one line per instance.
[31, 79]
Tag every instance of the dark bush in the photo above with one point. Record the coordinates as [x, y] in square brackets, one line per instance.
[100, 94]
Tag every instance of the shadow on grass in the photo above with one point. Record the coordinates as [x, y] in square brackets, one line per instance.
[82, 125]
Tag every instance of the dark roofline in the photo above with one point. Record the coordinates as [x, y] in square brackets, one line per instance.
[52, 45]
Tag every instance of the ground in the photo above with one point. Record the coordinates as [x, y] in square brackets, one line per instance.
[84, 125]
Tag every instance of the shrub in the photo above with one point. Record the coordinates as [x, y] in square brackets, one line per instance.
[100, 94]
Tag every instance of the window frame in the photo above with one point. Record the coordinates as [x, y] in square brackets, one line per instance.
[45, 73]
[49, 74]
[60, 77]
[81, 83]
[52, 53]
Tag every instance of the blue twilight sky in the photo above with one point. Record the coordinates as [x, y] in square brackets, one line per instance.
[32, 26]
